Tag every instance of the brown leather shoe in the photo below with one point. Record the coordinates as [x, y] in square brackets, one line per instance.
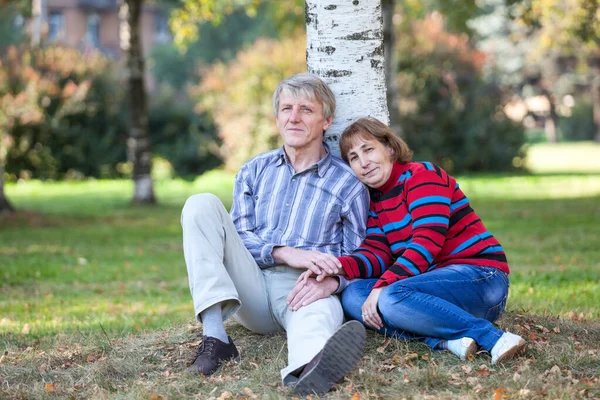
[211, 354]
[340, 354]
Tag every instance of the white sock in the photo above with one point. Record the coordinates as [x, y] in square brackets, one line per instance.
[212, 323]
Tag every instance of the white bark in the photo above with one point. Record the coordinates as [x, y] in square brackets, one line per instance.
[344, 46]
[38, 13]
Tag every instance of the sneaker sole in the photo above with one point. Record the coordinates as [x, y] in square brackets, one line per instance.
[471, 351]
[513, 351]
[341, 353]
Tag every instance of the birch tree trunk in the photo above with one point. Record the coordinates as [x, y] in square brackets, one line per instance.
[138, 143]
[344, 46]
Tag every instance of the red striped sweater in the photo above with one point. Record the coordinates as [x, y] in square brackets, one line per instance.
[420, 220]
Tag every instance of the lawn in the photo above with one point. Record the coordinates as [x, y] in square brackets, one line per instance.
[94, 299]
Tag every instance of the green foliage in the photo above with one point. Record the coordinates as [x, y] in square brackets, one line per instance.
[62, 117]
[186, 138]
[451, 115]
[171, 65]
[186, 18]
[580, 125]
[10, 33]
[60, 114]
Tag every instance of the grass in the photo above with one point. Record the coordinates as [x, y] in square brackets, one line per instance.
[94, 301]
[558, 157]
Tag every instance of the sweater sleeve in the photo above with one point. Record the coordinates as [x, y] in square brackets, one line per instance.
[372, 257]
[428, 197]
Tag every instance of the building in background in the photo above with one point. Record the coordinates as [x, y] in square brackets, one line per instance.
[94, 24]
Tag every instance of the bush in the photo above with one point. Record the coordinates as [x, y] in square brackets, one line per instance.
[186, 138]
[450, 114]
[580, 125]
[60, 114]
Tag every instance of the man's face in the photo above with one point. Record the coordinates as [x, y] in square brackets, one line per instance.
[301, 122]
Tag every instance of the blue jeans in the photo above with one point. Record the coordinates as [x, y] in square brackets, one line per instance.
[448, 303]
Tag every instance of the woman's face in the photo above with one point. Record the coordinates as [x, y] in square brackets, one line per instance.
[370, 160]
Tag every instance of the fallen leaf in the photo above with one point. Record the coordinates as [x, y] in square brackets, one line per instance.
[49, 387]
[91, 358]
[472, 380]
[355, 396]
[555, 370]
[533, 337]
[396, 359]
[225, 395]
[498, 393]
[410, 356]
[466, 369]
[425, 357]
[156, 397]
[385, 344]
[26, 329]
[556, 329]
[483, 371]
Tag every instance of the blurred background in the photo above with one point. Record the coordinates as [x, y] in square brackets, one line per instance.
[475, 86]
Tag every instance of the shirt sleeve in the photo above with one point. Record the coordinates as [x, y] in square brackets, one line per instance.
[354, 215]
[372, 257]
[428, 197]
[244, 218]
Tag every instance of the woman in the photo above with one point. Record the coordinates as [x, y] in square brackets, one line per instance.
[431, 269]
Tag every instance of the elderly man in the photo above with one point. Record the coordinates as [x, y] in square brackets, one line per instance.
[294, 208]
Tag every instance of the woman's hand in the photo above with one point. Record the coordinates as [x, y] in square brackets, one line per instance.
[315, 261]
[369, 310]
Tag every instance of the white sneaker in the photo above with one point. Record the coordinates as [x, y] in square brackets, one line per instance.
[463, 347]
[507, 347]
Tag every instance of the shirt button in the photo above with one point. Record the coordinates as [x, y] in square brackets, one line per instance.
[287, 204]
[293, 179]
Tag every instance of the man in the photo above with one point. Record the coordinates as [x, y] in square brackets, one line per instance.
[294, 208]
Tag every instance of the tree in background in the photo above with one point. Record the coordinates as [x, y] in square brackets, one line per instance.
[138, 144]
[571, 28]
[451, 114]
[10, 34]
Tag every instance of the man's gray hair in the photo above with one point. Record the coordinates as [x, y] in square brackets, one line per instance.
[309, 86]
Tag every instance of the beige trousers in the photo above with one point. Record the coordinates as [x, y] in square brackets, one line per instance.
[222, 270]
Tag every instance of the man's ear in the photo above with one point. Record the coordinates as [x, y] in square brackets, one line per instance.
[328, 123]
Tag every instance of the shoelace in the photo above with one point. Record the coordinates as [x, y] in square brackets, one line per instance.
[206, 346]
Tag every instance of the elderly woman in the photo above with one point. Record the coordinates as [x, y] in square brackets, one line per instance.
[431, 269]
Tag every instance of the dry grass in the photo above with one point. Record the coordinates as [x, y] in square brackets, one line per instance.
[561, 362]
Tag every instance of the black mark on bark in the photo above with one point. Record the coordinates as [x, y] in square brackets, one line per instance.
[336, 73]
[327, 49]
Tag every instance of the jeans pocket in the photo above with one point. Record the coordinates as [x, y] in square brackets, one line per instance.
[495, 312]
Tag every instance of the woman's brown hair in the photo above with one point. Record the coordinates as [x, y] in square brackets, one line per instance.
[369, 128]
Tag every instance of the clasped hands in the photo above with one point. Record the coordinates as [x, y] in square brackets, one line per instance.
[316, 282]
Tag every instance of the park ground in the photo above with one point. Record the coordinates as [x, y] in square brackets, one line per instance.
[94, 300]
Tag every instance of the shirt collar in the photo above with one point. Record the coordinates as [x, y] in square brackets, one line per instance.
[321, 166]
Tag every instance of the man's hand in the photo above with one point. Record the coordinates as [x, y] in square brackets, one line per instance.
[370, 314]
[308, 290]
[315, 261]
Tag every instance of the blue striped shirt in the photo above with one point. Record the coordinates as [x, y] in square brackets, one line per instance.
[322, 208]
